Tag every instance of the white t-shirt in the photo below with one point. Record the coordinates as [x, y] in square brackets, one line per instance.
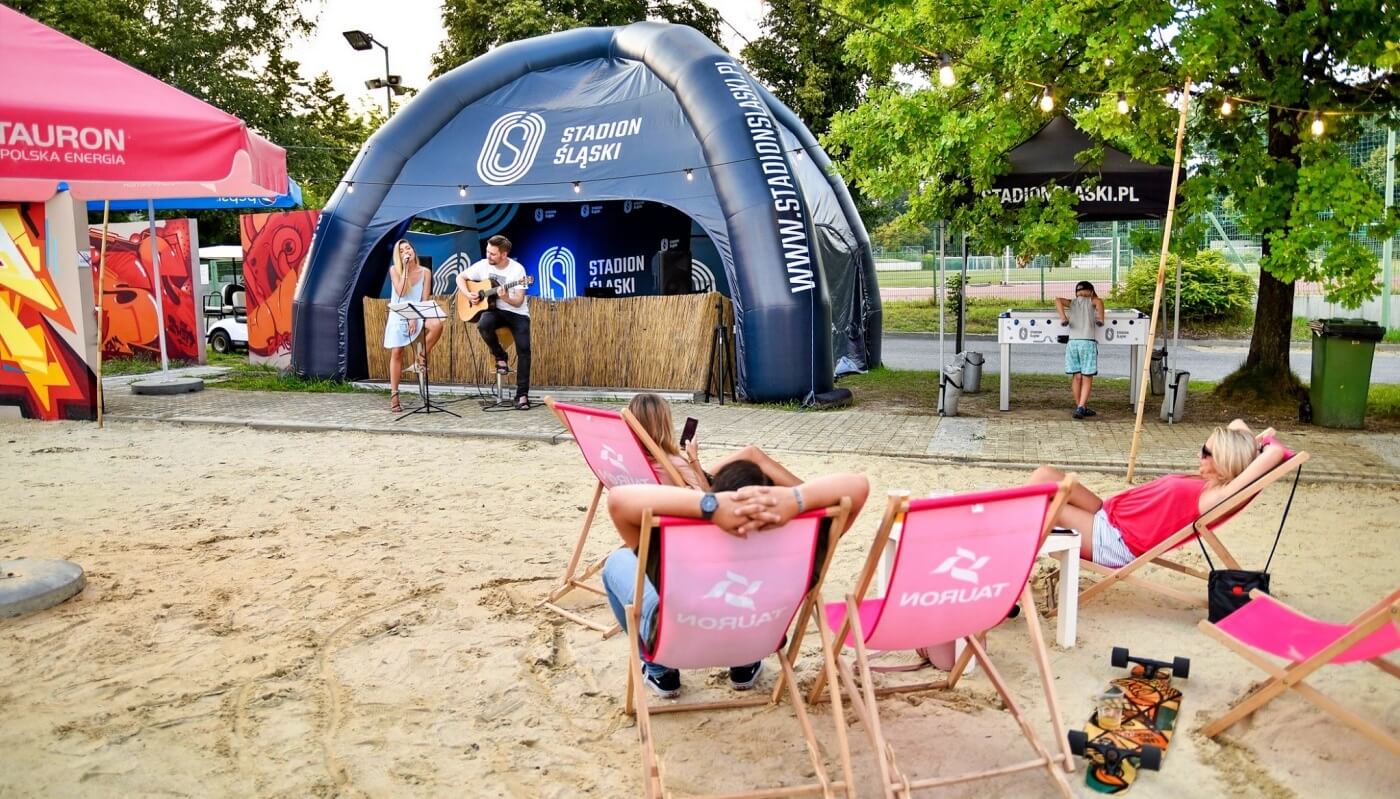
[483, 270]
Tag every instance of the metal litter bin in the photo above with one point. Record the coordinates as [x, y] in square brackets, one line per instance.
[972, 372]
[1341, 370]
[1157, 372]
[949, 390]
[1174, 401]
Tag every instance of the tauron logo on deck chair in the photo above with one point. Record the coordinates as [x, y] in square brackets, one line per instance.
[502, 161]
[968, 574]
[721, 589]
[612, 457]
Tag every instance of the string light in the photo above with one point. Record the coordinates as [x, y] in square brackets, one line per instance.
[350, 187]
[945, 71]
[1317, 126]
[578, 187]
[1047, 100]
[461, 191]
[1122, 103]
[1226, 107]
[1006, 95]
[689, 174]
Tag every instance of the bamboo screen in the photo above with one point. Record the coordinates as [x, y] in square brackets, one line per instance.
[638, 342]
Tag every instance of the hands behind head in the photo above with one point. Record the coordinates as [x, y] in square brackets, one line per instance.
[754, 508]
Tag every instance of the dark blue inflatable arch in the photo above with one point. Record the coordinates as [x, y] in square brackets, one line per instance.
[649, 111]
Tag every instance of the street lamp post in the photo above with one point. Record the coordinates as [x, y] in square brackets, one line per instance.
[391, 84]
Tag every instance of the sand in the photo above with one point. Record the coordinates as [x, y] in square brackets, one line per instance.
[274, 614]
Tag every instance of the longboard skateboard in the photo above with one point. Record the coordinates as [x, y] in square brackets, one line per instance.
[1150, 707]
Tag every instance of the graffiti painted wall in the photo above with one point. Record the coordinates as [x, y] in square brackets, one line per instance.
[128, 289]
[43, 370]
[275, 247]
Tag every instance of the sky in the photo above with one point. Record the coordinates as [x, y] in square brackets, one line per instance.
[412, 30]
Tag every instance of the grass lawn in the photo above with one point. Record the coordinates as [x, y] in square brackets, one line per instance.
[1034, 396]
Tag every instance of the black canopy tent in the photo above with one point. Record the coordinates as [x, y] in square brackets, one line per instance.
[1123, 188]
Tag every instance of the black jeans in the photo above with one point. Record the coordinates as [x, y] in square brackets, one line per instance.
[492, 319]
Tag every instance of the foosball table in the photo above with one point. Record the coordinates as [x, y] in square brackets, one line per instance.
[1121, 328]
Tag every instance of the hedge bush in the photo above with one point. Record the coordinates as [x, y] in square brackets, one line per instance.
[1211, 289]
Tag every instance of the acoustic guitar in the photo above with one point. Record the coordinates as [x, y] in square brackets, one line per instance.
[485, 292]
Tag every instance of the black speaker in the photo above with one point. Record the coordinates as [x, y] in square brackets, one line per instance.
[675, 272]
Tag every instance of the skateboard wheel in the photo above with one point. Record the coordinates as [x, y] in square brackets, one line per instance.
[1120, 657]
[1150, 758]
[1078, 741]
[1181, 667]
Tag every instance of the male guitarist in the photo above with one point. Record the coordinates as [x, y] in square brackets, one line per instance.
[511, 309]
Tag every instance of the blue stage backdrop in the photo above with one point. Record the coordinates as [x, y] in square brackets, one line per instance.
[530, 137]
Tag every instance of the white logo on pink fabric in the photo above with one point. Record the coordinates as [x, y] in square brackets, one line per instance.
[738, 600]
[966, 574]
[612, 457]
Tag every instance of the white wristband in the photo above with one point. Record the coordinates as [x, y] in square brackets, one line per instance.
[797, 495]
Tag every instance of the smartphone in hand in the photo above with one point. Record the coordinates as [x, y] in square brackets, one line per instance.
[688, 432]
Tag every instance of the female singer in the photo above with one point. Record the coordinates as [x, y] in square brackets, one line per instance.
[411, 281]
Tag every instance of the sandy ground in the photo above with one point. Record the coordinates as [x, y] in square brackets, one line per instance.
[274, 614]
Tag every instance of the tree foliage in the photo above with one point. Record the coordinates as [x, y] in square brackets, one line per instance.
[473, 27]
[233, 54]
[1211, 289]
[942, 146]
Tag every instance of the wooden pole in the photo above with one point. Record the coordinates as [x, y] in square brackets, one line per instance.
[101, 262]
[1144, 379]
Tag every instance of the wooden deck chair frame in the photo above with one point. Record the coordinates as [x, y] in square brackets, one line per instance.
[636, 704]
[863, 695]
[573, 579]
[1292, 676]
[1127, 573]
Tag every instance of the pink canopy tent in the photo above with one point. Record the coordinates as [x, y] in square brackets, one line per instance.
[71, 114]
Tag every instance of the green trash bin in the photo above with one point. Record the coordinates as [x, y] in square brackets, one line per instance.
[1341, 370]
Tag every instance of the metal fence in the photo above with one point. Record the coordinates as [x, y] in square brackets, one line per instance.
[1111, 252]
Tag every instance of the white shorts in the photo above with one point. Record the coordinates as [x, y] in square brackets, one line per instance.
[1109, 549]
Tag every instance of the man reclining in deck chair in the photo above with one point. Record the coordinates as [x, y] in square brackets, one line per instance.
[743, 501]
[1132, 522]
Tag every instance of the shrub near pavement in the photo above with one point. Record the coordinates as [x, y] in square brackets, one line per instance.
[1211, 289]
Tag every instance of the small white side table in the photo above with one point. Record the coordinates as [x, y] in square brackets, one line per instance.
[1062, 545]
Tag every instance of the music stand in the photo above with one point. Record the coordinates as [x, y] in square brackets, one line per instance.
[421, 312]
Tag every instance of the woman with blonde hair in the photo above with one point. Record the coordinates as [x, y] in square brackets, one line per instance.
[1127, 524]
[654, 414]
[410, 281]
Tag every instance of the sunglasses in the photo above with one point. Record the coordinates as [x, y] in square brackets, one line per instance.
[1205, 452]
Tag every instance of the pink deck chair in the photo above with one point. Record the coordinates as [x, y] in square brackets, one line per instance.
[962, 561]
[727, 601]
[1267, 625]
[1205, 526]
[615, 447]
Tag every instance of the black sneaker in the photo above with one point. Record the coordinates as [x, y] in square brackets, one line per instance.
[1089, 411]
[666, 685]
[1079, 413]
[742, 678]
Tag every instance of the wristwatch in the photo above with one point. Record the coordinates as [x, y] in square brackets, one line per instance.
[708, 505]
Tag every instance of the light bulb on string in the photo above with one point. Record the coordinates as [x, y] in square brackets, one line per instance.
[1006, 95]
[1122, 103]
[350, 187]
[1226, 107]
[461, 191]
[1047, 100]
[1317, 126]
[578, 187]
[945, 71]
[690, 174]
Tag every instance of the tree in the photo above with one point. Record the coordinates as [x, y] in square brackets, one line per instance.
[944, 146]
[473, 27]
[231, 54]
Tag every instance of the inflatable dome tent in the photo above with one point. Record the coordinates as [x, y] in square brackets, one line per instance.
[650, 113]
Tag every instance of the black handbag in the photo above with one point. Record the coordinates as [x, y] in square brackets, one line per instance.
[1227, 590]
